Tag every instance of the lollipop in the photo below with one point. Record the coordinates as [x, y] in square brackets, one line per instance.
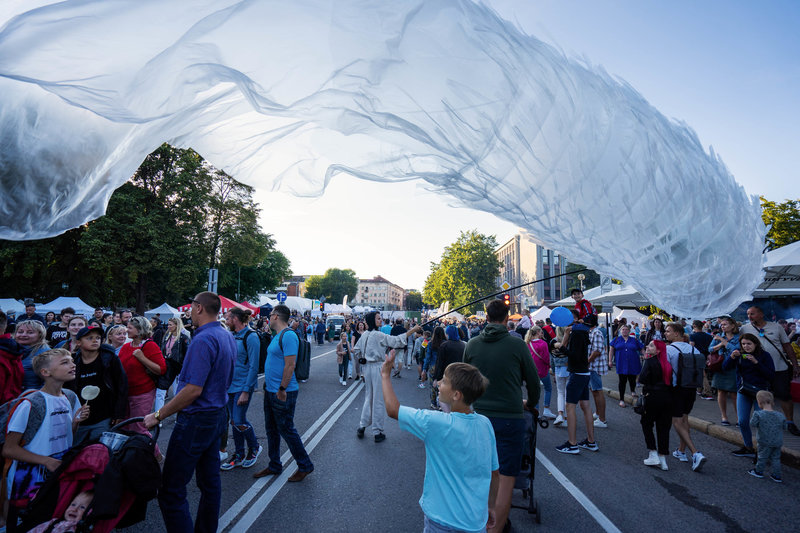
[90, 392]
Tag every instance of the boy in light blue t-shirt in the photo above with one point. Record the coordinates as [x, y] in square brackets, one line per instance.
[461, 467]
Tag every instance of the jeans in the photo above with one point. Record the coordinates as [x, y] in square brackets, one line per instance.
[343, 366]
[238, 417]
[561, 387]
[743, 405]
[547, 385]
[192, 451]
[657, 413]
[279, 421]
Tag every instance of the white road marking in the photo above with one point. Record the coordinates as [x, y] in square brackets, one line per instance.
[258, 508]
[576, 493]
[320, 355]
[260, 483]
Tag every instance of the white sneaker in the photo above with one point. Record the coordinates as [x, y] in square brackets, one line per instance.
[548, 413]
[599, 423]
[662, 462]
[697, 461]
[594, 415]
[558, 421]
[652, 459]
[223, 456]
[681, 456]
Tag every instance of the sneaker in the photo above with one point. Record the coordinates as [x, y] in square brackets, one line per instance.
[360, 432]
[421, 385]
[680, 456]
[548, 413]
[776, 479]
[568, 448]
[697, 461]
[600, 424]
[755, 473]
[594, 416]
[231, 463]
[252, 457]
[744, 452]
[792, 427]
[591, 446]
[223, 455]
[725, 423]
[380, 437]
[558, 421]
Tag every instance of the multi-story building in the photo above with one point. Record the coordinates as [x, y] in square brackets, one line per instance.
[524, 261]
[381, 293]
[294, 286]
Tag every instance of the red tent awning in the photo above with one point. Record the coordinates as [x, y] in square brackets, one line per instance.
[255, 309]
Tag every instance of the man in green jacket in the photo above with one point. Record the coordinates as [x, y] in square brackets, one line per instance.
[507, 363]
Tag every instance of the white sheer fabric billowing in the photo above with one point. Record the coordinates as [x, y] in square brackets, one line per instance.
[285, 95]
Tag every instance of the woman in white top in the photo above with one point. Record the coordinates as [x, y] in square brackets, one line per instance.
[372, 346]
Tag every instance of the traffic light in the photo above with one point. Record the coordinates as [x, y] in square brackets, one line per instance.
[507, 299]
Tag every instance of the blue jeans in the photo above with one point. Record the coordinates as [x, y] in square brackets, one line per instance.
[343, 366]
[743, 405]
[279, 420]
[238, 416]
[547, 385]
[193, 449]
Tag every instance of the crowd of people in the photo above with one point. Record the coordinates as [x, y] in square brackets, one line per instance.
[203, 368]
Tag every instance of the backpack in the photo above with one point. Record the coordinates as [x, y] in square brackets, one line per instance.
[690, 369]
[263, 339]
[302, 365]
[36, 416]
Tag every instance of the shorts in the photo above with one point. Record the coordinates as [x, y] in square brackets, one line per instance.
[595, 381]
[578, 388]
[682, 401]
[509, 433]
[781, 385]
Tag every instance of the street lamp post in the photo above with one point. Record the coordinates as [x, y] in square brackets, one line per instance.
[581, 277]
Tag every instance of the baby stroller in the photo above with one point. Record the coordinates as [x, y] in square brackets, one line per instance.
[120, 468]
[524, 481]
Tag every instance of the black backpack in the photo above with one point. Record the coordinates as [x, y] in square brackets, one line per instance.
[690, 369]
[302, 366]
[264, 339]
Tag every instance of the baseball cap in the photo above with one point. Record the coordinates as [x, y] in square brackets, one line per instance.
[85, 331]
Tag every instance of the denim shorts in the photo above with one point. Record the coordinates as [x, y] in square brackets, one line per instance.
[577, 388]
[595, 381]
[509, 433]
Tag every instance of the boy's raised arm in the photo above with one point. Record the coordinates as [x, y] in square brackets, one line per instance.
[389, 397]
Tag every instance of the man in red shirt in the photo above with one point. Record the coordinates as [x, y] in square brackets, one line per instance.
[583, 307]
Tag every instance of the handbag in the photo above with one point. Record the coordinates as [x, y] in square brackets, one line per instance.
[28, 479]
[638, 406]
[714, 361]
[749, 390]
[363, 360]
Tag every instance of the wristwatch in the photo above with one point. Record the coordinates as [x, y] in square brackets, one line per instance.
[281, 388]
[157, 415]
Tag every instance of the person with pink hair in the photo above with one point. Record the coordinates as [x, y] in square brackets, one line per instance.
[656, 380]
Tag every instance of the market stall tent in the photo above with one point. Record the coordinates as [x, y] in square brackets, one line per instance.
[165, 310]
[80, 307]
[12, 305]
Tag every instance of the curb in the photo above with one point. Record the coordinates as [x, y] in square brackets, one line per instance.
[729, 434]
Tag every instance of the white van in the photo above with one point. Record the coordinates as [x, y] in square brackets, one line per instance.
[337, 321]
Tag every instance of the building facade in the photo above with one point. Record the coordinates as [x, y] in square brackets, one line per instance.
[381, 293]
[524, 261]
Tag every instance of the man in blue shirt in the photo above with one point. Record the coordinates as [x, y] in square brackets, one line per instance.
[200, 401]
[280, 398]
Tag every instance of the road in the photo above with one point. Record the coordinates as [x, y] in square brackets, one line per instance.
[358, 485]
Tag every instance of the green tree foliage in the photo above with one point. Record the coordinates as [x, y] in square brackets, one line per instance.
[176, 217]
[783, 220]
[592, 278]
[467, 270]
[414, 300]
[334, 284]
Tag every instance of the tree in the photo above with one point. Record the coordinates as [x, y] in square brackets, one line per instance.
[413, 300]
[783, 221]
[592, 278]
[334, 285]
[467, 271]
[263, 271]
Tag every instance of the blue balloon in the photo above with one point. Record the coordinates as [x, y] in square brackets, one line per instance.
[561, 317]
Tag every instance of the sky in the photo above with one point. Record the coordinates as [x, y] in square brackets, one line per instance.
[729, 69]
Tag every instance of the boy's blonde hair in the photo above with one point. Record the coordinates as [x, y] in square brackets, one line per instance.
[765, 397]
[467, 380]
[43, 360]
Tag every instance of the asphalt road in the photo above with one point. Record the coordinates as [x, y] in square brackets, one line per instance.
[358, 485]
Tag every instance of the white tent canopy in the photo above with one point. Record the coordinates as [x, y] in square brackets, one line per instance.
[295, 303]
[619, 295]
[81, 307]
[632, 315]
[264, 299]
[12, 305]
[782, 272]
[338, 309]
[165, 310]
[542, 313]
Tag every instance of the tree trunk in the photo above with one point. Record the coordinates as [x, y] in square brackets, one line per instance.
[141, 294]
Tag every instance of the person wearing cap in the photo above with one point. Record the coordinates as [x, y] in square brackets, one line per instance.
[97, 364]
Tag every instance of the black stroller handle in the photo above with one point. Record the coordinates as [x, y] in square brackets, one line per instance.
[155, 431]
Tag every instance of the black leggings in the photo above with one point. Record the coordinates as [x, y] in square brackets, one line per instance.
[623, 378]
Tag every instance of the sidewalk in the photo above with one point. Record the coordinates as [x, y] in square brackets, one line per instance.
[706, 418]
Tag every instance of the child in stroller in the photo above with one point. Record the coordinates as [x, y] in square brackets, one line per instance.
[72, 516]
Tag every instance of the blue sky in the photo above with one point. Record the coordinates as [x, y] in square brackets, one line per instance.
[729, 69]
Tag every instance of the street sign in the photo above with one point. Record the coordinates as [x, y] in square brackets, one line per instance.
[281, 297]
[322, 298]
[505, 286]
[213, 277]
[605, 284]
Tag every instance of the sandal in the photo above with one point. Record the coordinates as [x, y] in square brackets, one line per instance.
[623, 404]
[725, 423]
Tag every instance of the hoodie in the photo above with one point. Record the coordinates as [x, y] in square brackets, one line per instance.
[11, 371]
[451, 351]
[506, 361]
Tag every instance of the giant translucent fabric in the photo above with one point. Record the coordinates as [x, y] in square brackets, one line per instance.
[287, 94]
